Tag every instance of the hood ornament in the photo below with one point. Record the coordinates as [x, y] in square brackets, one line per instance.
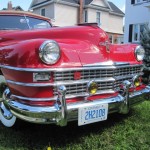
[106, 44]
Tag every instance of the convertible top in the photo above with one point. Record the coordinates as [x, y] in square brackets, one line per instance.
[22, 13]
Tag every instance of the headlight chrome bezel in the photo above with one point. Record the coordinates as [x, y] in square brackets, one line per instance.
[52, 49]
[139, 49]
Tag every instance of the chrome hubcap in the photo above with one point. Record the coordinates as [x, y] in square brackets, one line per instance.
[6, 117]
[5, 112]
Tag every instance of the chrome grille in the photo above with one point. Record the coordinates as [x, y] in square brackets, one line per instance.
[127, 71]
[103, 76]
[92, 74]
[85, 74]
[80, 89]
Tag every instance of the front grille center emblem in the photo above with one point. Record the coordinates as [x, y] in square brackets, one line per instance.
[77, 75]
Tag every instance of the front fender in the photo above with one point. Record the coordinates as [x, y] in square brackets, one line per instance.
[25, 54]
[123, 53]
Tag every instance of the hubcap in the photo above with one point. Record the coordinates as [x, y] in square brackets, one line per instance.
[6, 117]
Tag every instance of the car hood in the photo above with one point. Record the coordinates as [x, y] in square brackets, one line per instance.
[80, 46]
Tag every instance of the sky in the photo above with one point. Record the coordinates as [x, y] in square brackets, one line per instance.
[26, 3]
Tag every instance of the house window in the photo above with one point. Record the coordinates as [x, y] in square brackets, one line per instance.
[43, 12]
[85, 16]
[98, 18]
[138, 30]
[135, 33]
[140, 1]
[132, 1]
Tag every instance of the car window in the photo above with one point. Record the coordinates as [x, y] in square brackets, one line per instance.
[10, 22]
[13, 23]
[37, 23]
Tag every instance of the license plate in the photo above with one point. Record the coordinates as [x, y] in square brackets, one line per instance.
[91, 114]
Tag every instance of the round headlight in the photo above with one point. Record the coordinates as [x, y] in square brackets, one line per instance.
[49, 52]
[139, 53]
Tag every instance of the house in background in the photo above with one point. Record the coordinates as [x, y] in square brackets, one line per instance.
[137, 16]
[10, 7]
[71, 12]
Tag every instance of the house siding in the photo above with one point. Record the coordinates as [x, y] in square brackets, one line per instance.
[49, 10]
[91, 15]
[65, 15]
[109, 22]
[115, 24]
[135, 14]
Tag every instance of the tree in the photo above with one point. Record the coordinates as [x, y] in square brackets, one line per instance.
[145, 42]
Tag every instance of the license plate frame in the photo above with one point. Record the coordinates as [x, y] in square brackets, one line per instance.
[91, 114]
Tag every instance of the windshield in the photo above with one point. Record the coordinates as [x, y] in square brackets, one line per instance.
[22, 23]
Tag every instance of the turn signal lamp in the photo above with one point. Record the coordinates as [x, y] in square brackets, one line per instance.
[136, 81]
[92, 87]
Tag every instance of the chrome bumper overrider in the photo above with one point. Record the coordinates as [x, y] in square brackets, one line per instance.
[60, 115]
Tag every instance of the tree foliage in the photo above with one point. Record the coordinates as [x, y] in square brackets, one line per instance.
[145, 42]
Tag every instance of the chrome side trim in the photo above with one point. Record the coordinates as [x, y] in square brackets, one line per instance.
[111, 79]
[30, 84]
[69, 82]
[58, 83]
[86, 94]
[32, 99]
[66, 69]
[55, 97]
[108, 63]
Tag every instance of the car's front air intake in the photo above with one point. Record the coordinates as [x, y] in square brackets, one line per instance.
[108, 78]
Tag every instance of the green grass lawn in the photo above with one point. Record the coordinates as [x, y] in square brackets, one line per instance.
[119, 132]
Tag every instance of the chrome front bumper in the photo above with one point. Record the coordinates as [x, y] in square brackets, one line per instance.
[60, 115]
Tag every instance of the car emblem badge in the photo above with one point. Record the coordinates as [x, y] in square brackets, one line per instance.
[77, 75]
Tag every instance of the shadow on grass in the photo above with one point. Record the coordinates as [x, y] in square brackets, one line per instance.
[34, 136]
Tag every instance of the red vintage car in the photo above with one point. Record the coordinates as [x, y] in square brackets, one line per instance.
[57, 75]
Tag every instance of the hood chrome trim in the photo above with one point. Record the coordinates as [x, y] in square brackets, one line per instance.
[103, 65]
[107, 63]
